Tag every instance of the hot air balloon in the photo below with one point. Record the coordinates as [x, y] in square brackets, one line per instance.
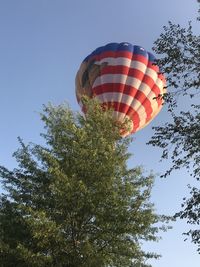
[123, 77]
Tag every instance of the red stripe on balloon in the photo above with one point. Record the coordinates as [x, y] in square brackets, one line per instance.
[117, 87]
[125, 54]
[123, 70]
[133, 115]
[158, 93]
[153, 66]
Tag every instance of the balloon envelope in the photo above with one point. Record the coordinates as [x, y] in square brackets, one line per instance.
[123, 77]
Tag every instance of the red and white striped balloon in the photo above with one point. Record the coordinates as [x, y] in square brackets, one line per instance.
[124, 77]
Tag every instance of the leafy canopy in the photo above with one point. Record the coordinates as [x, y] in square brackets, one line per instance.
[179, 50]
[73, 202]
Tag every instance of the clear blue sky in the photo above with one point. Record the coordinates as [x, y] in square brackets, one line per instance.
[42, 45]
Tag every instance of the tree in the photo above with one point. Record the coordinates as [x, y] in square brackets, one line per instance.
[73, 202]
[180, 139]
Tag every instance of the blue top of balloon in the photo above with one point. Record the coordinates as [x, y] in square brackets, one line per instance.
[124, 46]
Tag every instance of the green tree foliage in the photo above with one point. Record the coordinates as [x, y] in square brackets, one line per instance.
[73, 202]
[180, 62]
[179, 49]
